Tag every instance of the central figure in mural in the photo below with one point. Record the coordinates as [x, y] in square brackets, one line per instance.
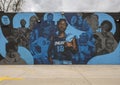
[60, 51]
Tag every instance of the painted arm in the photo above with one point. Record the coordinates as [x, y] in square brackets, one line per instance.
[50, 50]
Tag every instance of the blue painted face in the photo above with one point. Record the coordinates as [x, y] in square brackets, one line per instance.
[50, 17]
[5, 20]
[73, 20]
[79, 20]
[83, 38]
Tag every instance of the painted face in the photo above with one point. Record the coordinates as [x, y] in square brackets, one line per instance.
[94, 22]
[23, 22]
[109, 43]
[11, 54]
[80, 20]
[62, 26]
[73, 20]
[5, 20]
[33, 20]
[50, 18]
[104, 28]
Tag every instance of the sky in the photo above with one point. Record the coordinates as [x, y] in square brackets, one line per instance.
[71, 5]
[42, 5]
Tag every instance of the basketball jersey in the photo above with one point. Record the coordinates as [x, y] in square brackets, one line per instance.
[60, 51]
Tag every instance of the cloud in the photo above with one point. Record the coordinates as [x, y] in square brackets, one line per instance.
[42, 5]
[91, 5]
[71, 6]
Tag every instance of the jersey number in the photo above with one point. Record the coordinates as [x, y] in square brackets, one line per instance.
[60, 48]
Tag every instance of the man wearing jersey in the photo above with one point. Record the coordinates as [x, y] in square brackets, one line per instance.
[60, 51]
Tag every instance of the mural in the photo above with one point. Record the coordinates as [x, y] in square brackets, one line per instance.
[59, 38]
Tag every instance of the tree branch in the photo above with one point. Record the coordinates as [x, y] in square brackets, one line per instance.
[2, 4]
[8, 5]
[0, 8]
[17, 5]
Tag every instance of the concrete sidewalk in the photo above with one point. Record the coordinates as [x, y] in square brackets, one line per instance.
[60, 75]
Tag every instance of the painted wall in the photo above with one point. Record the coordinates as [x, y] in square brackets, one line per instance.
[25, 38]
